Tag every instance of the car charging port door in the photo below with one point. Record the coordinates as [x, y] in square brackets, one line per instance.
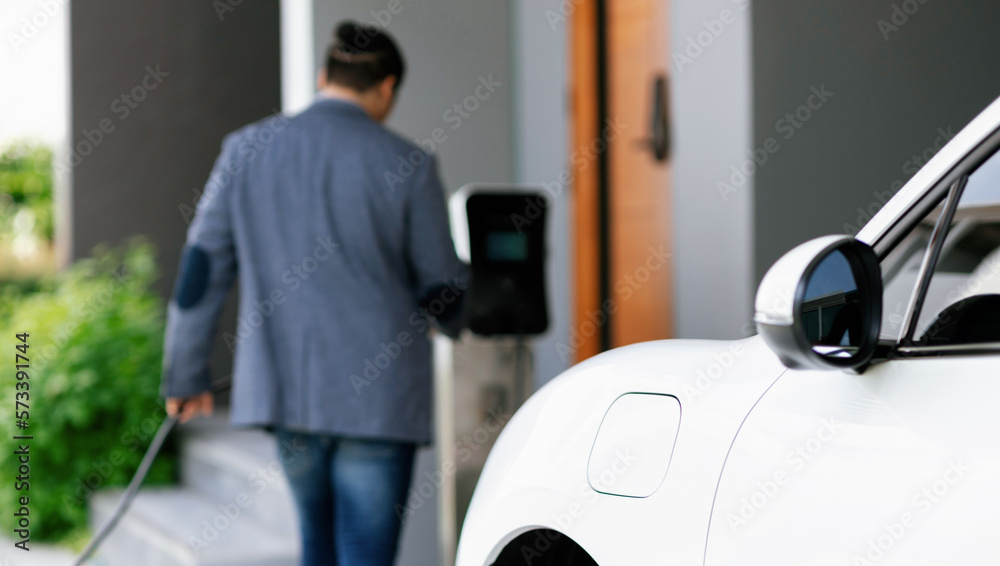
[634, 445]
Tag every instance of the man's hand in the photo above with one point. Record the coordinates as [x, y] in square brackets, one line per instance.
[191, 407]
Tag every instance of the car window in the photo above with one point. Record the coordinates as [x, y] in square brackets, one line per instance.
[962, 303]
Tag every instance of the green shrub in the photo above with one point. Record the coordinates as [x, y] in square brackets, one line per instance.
[12, 291]
[26, 184]
[96, 342]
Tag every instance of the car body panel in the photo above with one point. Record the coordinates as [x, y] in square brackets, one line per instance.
[537, 473]
[836, 468]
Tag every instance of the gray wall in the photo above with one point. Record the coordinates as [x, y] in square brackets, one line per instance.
[892, 90]
[540, 146]
[897, 93]
[448, 46]
[221, 75]
[711, 109]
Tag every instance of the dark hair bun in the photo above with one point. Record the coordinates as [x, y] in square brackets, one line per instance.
[352, 37]
[345, 35]
[362, 55]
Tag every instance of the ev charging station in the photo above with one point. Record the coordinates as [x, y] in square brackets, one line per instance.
[485, 375]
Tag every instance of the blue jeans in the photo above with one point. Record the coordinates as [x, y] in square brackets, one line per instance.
[350, 494]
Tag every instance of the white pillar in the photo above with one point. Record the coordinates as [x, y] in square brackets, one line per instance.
[298, 66]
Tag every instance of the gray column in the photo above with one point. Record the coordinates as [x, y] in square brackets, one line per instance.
[155, 86]
[905, 75]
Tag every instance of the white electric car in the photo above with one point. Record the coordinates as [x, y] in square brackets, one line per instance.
[859, 427]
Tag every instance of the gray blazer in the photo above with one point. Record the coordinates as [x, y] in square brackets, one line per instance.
[338, 232]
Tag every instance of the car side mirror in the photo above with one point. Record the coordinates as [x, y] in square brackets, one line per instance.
[820, 305]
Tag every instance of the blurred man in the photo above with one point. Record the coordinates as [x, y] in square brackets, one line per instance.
[338, 231]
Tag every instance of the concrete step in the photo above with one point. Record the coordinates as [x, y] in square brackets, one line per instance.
[39, 555]
[228, 464]
[183, 527]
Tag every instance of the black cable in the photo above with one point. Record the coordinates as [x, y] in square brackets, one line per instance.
[130, 492]
[137, 479]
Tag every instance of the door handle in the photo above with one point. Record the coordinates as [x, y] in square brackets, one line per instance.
[659, 129]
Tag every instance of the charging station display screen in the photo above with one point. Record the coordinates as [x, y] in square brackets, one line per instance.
[506, 246]
[507, 258]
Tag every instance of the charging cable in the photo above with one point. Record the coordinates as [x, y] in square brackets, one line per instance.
[137, 479]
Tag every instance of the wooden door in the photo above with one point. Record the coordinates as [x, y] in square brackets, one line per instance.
[622, 216]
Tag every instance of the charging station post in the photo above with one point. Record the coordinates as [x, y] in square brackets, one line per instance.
[485, 375]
